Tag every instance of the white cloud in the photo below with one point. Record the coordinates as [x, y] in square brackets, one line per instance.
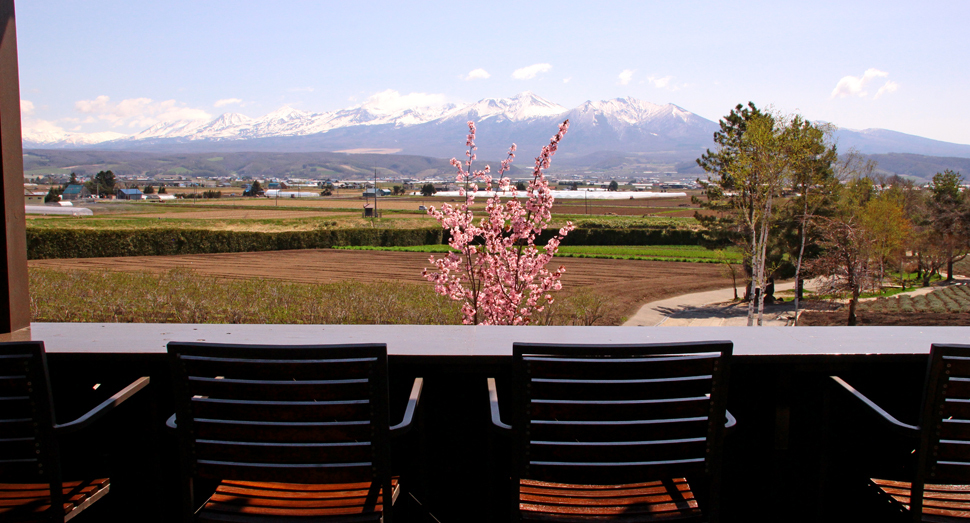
[227, 101]
[391, 101]
[626, 76]
[26, 108]
[660, 83]
[137, 112]
[566, 80]
[887, 88]
[531, 71]
[300, 90]
[856, 86]
[477, 74]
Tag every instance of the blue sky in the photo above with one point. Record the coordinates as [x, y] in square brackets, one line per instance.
[121, 66]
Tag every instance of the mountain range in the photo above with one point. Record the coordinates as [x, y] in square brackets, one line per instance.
[663, 133]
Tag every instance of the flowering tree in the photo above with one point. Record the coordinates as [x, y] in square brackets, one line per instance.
[497, 270]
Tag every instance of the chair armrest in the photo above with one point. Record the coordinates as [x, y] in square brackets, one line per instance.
[170, 423]
[405, 425]
[903, 429]
[101, 410]
[730, 423]
[493, 405]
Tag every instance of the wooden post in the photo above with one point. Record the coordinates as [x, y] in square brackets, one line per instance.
[14, 298]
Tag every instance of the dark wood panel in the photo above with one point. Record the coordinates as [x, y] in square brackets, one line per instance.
[280, 453]
[302, 369]
[955, 430]
[633, 431]
[321, 390]
[302, 473]
[13, 385]
[354, 410]
[958, 388]
[15, 407]
[631, 410]
[17, 428]
[612, 390]
[620, 368]
[956, 408]
[14, 364]
[649, 451]
[17, 448]
[322, 432]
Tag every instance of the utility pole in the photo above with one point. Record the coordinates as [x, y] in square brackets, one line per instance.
[375, 194]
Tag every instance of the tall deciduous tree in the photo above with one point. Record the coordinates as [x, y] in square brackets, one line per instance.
[758, 156]
[950, 217]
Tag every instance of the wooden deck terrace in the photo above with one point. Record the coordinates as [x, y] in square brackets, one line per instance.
[776, 462]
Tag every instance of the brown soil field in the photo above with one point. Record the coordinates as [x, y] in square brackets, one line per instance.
[628, 283]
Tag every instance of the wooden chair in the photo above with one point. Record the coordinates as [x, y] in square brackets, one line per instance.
[616, 432]
[299, 432]
[938, 488]
[31, 484]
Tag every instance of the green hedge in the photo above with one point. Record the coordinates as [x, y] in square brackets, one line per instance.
[78, 243]
[96, 243]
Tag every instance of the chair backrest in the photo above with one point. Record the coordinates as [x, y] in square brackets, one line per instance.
[297, 414]
[944, 453]
[614, 414]
[28, 450]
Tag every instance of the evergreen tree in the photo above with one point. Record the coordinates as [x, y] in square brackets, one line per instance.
[148, 190]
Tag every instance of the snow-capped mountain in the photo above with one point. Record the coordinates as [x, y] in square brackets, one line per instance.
[622, 125]
[525, 118]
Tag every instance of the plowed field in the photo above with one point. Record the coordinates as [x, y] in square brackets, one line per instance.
[628, 282]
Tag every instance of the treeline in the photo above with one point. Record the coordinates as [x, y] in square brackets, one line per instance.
[100, 243]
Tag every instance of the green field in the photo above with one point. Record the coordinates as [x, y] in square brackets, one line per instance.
[680, 253]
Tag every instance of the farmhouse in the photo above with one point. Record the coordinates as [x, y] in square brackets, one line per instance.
[130, 194]
[75, 191]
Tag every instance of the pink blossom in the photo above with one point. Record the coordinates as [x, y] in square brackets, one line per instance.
[498, 272]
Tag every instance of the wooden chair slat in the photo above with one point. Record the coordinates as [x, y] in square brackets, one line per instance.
[268, 369]
[674, 429]
[23, 500]
[284, 500]
[612, 475]
[322, 432]
[630, 410]
[585, 452]
[214, 408]
[353, 389]
[621, 368]
[292, 453]
[308, 473]
[562, 389]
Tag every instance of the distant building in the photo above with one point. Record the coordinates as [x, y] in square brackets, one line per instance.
[130, 194]
[73, 192]
[369, 193]
[34, 197]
